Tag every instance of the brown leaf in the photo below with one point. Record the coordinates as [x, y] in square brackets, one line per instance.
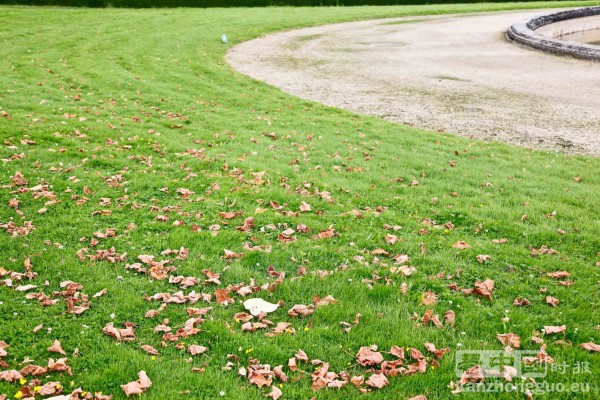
[56, 348]
[50, 388]
[473, 374]
[366, 356]
[380, 252]
[482, 258]
[301, 310]
[528, 394]
[100, 293]
[278, 372]
[521, 301]
[194, 349]
[231, 254]
[143, 380]
[590, 346]
[509, 339]
[337, 384]
[222, 297]
[391, 239]
[59, 365]
[149, 349]
[123, 335]
[292, 364]
[397, 351]
[439, 353]
[483, 289]
[275, 393]
[401, 258]
[301, 356]
[229, 215]
[460, 245]
[325, 301]
[428, 298]
[377, 381]
[132, 388]
[11, 375]
[305, 207]
[553, 301]
[403, 269]
[416, 354]
[357, 380]
[558, 274]
[551, 330]
[542, 250]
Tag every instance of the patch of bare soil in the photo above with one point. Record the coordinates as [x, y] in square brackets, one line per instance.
[453, 73]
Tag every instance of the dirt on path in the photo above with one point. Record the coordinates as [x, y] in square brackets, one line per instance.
[454, 73]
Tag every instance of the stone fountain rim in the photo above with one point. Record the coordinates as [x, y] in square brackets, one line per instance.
[523, 32]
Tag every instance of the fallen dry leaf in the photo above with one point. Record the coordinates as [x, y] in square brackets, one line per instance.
[301, 310]
[428, 298]
[275, 394]
[139, 386]
[473, 374]
[460, 245]
[149, 349]
[377, 381]
[558, 274]
[521, 301]
[325, 301]
[366, 357]
[301, 356]
[542, 250]
[551, 330]
[439, 353]
[123, 335]
[590, 346]
[132, 388]
[50, 388]
[553, 301]
[194, 349]
[56, 348]
[482, 258]
[100, 293]
[10, 375]
[509, 339]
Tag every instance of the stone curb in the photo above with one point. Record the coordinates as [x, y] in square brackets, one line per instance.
[524, 32]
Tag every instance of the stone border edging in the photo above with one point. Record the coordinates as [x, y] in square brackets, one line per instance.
[524, 32]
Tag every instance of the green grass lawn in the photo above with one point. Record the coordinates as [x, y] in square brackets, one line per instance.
[118, 109]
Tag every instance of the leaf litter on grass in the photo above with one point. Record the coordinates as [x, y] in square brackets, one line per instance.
[173, 224]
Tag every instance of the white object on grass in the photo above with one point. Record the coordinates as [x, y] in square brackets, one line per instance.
[256, 306]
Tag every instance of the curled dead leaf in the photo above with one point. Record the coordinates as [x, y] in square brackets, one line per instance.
[460, 245]
[301, 310]
[56, 348]
[377, 381]
[366, 357]
[551, 330]
[590, 346]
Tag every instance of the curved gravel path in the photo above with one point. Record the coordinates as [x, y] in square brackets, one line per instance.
[453, 73]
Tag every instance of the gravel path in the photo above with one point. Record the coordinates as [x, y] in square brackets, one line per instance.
[452, 73]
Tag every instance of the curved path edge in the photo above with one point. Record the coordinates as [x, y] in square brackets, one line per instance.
[451, 73]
